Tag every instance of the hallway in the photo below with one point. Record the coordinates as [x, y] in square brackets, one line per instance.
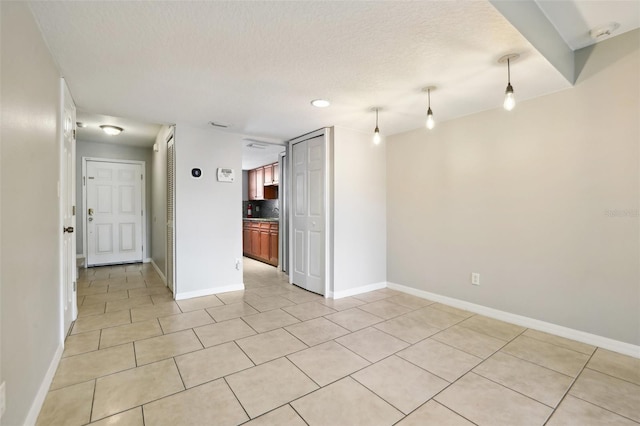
[135, 357]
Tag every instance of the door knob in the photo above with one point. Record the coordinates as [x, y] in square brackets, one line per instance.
[68, 229]
[90, 219]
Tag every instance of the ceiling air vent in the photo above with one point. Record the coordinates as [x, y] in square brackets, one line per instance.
[218, 124]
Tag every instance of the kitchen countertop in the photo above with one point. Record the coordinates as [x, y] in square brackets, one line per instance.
[261, 219]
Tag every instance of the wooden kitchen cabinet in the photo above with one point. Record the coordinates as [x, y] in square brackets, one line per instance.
[260, 241]
[263, 182]
[273, 244]
[252, 185]
[259, 184]
[268, 174]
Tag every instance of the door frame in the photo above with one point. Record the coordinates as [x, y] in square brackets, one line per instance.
[64, 94]
[83, 218]
[326, 132]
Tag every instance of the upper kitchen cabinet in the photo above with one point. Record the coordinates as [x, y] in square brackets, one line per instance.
[268, 174]
[276, 173]
[263, 182]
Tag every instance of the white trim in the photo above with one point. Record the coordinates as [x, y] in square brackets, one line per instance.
[558, 330]
[209, 291]
[164, 279]
[36, 405]
[358, 290]
[146, 260]
[85, 234]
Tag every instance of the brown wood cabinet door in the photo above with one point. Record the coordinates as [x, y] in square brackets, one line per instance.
[255, 242]
[260, 184]
[252, 185]
[246, 240]
[273, 242]
[268, 174]
[264, 245]
[276, 173]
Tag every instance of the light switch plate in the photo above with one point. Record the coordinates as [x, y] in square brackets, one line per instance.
[475, 278]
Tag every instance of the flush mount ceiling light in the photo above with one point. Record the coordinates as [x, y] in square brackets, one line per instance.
[430, 123]
[81, 124]
[255, 145]
[320, 103]
[111, 130]
[604, 30]
[509, 98]
[376, 132]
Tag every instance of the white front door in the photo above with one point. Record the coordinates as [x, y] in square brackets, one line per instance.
[308, 192]
[68, 199]
[114, 212]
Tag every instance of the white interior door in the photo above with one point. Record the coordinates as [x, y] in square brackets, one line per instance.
[114, 212]
[308, 193]
[68, 199]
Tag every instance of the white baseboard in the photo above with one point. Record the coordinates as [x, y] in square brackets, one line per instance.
[147, 260]
[36, 406]
[547, 327]
[164, 279]
[357, 290]
[209, 291]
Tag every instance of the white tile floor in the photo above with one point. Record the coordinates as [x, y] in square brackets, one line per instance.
[278, 355]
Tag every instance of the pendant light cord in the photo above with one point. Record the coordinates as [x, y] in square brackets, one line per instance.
[508, 71]
[376, 118]
[429, 97]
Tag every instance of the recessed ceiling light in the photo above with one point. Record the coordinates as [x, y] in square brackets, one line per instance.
[604, 30]
[111, 130]
[320, 103]
[81, 124]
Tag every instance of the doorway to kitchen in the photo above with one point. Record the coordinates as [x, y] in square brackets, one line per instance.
[262, 202]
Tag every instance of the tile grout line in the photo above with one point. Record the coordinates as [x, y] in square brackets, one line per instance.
[573, 382]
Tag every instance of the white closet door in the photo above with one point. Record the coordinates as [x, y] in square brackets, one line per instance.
[308, 194]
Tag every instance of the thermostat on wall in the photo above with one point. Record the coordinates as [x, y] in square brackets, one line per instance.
[226, 175]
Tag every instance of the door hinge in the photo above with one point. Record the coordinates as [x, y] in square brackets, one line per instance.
[141, 177]
[74, 286]
[141, 212]
[84, 180]
[73, 210]
[74, 134]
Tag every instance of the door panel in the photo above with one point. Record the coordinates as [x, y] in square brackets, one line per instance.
[68, 200]
[308, 217]
[114, 212]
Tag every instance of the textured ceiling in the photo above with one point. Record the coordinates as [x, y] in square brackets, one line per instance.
[257, 65]
[135, 132]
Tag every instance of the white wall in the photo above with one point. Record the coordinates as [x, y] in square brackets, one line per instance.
[85, 148]
[159, 201]
[359, 211]
[30, 263]
[208, 220]
[533, 200]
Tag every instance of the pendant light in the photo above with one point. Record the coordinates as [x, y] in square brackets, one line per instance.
[509, 98]
[376, 132]
[430, 123]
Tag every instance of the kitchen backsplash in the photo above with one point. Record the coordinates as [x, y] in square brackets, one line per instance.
[261, 208]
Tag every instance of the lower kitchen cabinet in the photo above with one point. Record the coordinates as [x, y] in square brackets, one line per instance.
[260, 241]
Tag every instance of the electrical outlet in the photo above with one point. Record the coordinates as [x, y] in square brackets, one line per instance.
[475, 278]
[3, 405]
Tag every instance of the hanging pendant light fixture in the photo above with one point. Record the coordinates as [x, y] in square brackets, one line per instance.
[509, 98]
[430, 123]
[376, 132]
